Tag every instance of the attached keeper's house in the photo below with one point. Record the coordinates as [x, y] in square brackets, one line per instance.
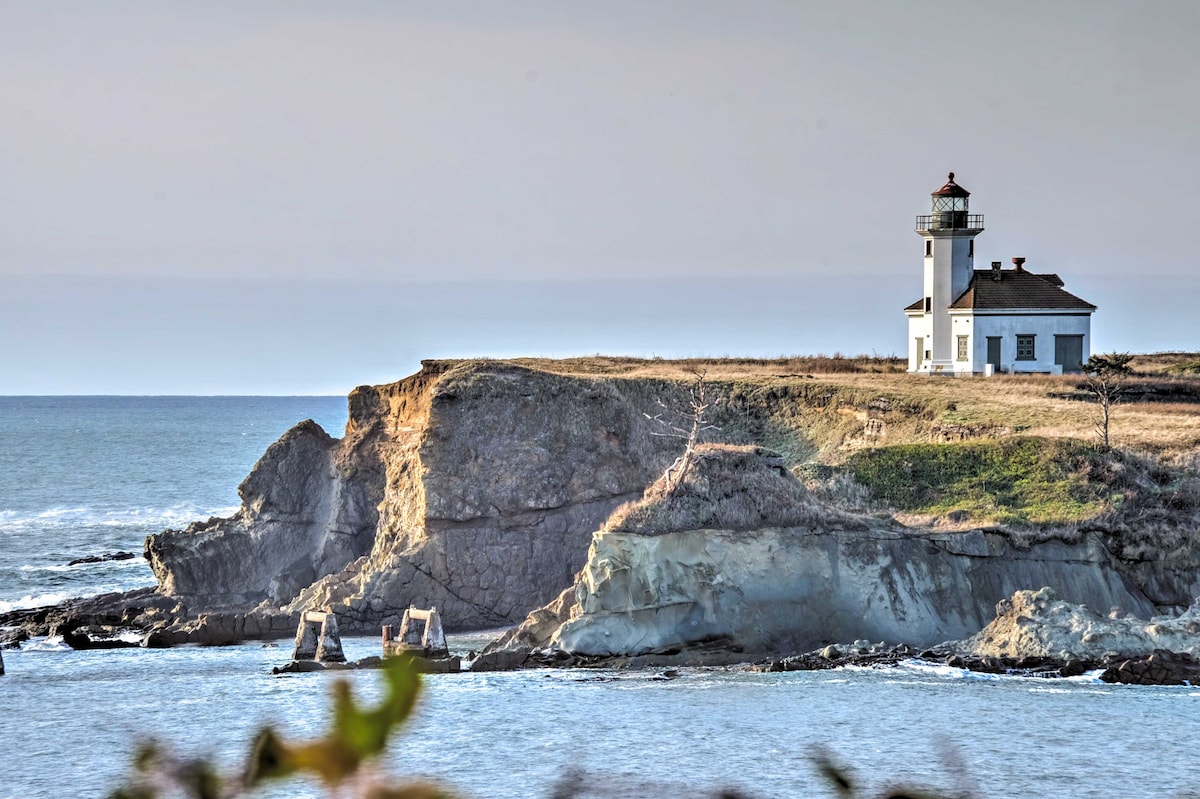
[973, 321]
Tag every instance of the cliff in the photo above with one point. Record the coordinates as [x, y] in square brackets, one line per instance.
[470, 486]
[788, 573]
[485, 487]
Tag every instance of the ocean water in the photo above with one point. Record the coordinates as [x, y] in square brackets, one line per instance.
[90, 475]
[84, 476]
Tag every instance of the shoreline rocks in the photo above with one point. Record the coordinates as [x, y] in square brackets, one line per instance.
[106, 557]
[1034, 634]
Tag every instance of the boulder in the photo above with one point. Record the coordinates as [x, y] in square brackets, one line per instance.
[1038, 624]
[1158, 668]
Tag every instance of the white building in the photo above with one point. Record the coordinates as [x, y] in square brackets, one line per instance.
[969, 319]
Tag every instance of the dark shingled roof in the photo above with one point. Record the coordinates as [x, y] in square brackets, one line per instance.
[1018, 288]
[1015, 289]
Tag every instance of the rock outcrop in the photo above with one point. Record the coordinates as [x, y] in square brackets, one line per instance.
[484, 489]
[1039, 624]
[472, 487]
[825, 577]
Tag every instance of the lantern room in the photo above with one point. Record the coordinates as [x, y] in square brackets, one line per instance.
[949, 212]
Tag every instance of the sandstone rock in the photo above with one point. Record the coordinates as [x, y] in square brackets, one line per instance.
[836, 577]
[1037, 624]
[441, 480]
[795, 588]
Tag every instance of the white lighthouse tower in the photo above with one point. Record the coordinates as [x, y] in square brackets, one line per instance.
[949, 240]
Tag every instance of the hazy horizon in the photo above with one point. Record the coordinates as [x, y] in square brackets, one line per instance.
[244, 198]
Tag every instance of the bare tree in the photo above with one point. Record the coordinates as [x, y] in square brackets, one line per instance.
[1105, 377]
[688, 425]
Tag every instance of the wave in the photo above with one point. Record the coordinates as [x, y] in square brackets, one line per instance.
[34, 601]
[45, 598]
[135, 562]
[53, 643]
[58, 518]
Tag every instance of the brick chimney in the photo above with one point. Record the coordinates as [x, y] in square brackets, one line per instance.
[996, 271]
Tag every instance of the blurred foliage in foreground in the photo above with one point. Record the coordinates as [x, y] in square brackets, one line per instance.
[343, 761]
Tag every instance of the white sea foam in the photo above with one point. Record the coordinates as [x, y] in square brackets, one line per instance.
[136, 562]
[33, 601]
[53, 643]
[59, 518]
[46, 598]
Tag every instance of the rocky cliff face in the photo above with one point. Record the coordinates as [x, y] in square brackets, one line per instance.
[477, 486]
[800, 588]
[824, 577]
[472, 486]
[301, 517]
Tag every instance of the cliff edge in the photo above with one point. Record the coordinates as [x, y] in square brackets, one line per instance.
[736, 553]
[470, 486]
[498, 491]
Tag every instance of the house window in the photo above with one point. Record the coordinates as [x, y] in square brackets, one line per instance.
[962, 347]
[928, 304]
[928, 248]
[1025, 350]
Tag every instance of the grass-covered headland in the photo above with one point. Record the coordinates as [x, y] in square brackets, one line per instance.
[1015, 451]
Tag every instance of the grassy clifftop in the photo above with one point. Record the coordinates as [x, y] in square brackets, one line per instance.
[1010, 450]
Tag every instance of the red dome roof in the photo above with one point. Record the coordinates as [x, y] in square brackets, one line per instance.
[951, 189]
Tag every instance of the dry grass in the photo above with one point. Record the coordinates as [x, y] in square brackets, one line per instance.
[725, 487]
[719, 368]
[930, 408]
[826, 408]
[1166, 362]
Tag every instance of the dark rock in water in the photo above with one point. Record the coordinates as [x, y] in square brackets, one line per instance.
[502, 660]
[107, 556]
[448, 665]
[1159, 668]
[97, 637]
[139, 610]
[12, 639]
[1, 664]
[833, 656]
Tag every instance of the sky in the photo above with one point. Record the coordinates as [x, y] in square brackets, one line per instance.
[301, 197]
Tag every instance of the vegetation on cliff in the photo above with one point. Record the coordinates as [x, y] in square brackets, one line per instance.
[724, 486]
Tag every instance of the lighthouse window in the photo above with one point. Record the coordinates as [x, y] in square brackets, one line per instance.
[971, 248]
[1025, 348]
[928, 248]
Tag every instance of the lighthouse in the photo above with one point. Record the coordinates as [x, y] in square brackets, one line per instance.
[948, 233]
[988, 321]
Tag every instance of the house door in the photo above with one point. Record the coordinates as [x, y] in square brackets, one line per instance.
[994, 352]
[1068, 351]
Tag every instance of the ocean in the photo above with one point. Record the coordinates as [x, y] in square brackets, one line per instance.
[84, 476]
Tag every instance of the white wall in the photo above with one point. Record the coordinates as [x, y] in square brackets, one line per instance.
[918, 326]
[1043, 326]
